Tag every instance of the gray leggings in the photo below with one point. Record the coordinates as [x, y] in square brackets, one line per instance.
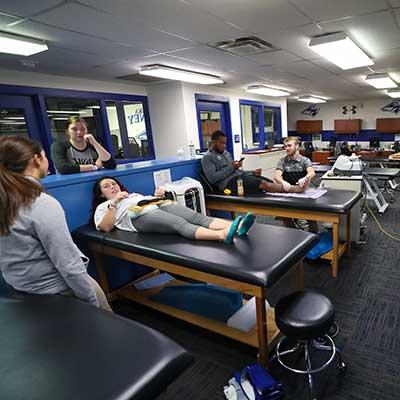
[172, 218]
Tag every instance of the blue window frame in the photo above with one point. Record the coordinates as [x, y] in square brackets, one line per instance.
[42, 130]
[213, 113]
[261, 124]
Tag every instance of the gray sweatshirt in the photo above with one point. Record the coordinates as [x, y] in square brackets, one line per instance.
[39, 256]
[218, 169]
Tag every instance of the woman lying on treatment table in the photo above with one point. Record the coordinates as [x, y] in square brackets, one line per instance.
[113, 207]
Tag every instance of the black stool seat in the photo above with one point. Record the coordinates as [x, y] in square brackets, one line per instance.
[304, 315]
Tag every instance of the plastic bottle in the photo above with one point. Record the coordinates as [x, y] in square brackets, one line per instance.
[192, 154]
[240, 188]
[181, 153]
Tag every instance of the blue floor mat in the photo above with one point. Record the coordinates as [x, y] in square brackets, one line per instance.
[324, 245]
[210, 301]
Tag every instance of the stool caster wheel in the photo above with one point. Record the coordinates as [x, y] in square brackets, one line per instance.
[342, 366]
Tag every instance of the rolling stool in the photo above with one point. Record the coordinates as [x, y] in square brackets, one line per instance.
[306, 319]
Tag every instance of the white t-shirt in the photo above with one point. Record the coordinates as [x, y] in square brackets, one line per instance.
[122, 220]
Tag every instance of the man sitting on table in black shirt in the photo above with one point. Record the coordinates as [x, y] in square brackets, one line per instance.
[223, 172]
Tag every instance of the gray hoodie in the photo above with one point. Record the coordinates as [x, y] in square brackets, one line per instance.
[39, 256]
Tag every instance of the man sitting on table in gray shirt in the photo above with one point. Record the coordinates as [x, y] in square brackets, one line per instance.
[294, 169]
[223, 172]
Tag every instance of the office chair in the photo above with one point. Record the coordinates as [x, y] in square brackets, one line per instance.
[115, 146]
[133, 150]
[309, 148]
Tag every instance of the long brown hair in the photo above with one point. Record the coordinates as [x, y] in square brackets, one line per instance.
[16, 191]
[98, 197]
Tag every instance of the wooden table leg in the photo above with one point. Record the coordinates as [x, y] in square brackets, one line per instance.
[348, 234]
[299, 276]
[99, 261]
[335, 250]
[262, 332]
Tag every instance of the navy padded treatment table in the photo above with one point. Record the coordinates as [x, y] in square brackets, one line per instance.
[251, 265]
[327, 208]
[57, 347]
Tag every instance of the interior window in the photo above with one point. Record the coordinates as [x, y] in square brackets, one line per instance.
[59, 109]
[129, 135]
[12, 122]
[250, 125]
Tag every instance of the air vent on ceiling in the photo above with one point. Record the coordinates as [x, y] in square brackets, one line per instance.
[244, 46]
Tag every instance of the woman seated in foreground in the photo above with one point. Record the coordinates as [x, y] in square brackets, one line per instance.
[37, 253]
[113, 207]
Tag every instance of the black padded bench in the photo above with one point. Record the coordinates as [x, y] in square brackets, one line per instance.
[252, 265]
[54, 347]
[328, 208]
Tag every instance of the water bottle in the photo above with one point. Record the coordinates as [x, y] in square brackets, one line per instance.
[240, 188]
[181, 153]
[192, 154]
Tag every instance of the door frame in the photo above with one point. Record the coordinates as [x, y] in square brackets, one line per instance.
[224, 102]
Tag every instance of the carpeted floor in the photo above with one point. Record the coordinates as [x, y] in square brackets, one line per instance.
[366, 297]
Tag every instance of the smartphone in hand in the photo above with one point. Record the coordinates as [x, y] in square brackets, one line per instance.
[241, 159]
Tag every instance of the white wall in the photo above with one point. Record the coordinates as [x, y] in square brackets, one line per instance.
[367, 110]
[27, 78]
[167, 118]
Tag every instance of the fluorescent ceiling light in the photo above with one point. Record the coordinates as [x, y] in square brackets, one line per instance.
[61, 112]
[59, 118]
[394, 93]
[380, 81]
[340, 50]
[162, 71]
[15, 44]
[311, 99]
[11, 123]
[13, 117]
[267, 91]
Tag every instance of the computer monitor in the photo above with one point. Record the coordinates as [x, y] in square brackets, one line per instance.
[374, 143]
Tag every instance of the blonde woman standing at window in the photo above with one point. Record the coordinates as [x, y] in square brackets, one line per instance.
[82, 152]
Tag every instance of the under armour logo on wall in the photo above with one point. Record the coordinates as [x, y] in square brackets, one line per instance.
[352, 109]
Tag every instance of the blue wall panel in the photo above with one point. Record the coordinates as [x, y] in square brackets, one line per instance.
[74, 192]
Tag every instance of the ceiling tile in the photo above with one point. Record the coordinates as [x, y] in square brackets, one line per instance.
[61, 38]
[207, 55]
[324, 10]
[294, 40]
[254, 15]
[53, 62]
[372, 32]
[104, 25]
[279, 57]
[308, 70]
[4, 20]
[173, 16]
[23, 8]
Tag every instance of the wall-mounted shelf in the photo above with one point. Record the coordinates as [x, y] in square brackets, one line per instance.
[309, 126]
[347, 125]
[388, 125]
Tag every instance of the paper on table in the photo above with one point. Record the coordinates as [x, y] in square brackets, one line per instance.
[162, 177]
[309, 193]
[245, 318]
